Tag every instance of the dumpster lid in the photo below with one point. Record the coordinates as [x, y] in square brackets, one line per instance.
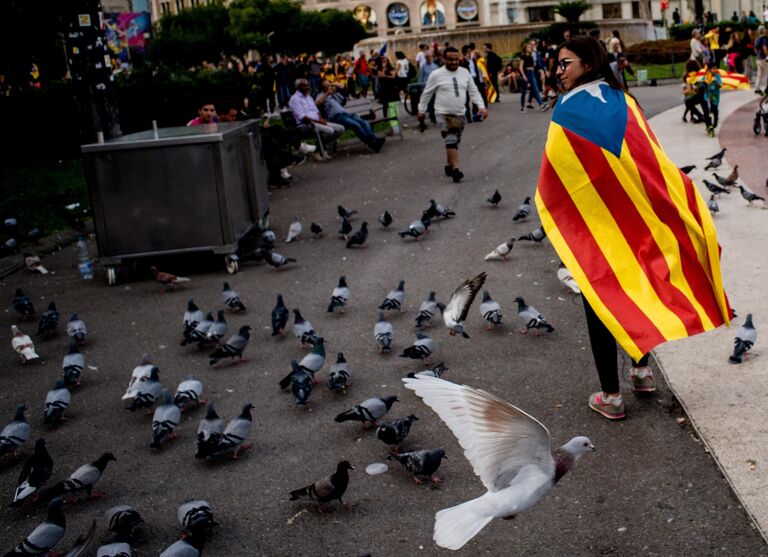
[179, 135]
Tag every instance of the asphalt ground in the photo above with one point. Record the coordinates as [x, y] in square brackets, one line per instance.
[651, 489]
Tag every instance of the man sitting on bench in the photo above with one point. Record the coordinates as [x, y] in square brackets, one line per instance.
[332, 102]
[307, 115]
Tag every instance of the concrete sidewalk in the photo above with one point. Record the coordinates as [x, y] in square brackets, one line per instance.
[726, 403]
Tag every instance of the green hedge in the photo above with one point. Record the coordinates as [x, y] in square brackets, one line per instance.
[683, 31]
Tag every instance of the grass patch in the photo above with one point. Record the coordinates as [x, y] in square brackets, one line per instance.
[659, 71]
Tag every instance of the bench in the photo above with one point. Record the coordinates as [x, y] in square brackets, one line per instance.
[365, 109]
[307, 132]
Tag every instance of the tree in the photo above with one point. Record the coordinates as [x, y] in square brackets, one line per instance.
[572, 11]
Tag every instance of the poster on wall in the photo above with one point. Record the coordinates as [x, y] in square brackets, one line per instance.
[126, 31]
[432, 13]
[397, 15]
[467, 10]
[366, 16]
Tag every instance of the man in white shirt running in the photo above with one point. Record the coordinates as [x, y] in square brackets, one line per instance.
[450, 85]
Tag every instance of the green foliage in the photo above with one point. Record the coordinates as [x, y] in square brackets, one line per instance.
[683, 31]
[572, 10]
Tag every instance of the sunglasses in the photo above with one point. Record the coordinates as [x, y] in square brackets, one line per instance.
[563, 64]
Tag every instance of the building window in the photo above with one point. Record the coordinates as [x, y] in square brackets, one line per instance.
[179, 5]
[398, 15]
[612, 10]
[165, 8]
[545, 13]
[635, 10]
[512, 14]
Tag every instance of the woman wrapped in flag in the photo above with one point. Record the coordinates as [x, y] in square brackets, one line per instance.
[627, 223]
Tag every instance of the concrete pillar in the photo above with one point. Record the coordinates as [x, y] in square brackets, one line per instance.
[626, 10]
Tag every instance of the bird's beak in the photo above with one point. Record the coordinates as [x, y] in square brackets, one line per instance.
[445, 457]
[351, 467]
[594, 449]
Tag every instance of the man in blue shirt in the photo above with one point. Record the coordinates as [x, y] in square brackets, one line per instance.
[332, 102]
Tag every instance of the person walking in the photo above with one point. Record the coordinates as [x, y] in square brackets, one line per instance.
[363, 74]
[711, 83]
[494, 64]
[450, 86]
[528, 79]
[761, 54]
[598, 190]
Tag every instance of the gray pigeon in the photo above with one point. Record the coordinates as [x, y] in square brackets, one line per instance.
[385, 219]
[749, 195]
[233, 348]
[124, 522]
[532, 319]
[536, 236]
[216, 332]
[82, 479]
[145, 393]
[49, 320]
[231, 299]
[508, 449]
[523, 210]
[421, 349]
[140, 372]
[345, 213]
[359, 238]
[208, 432]
[501, 251]
[435, 371]
[422, 463]
[190, 545]
[714, 188]
[303, 330]
[457, 309]
[56, 402]
[428, 310]
[76, 329]
[438, 210]
[712, 205]
[23, 304]
[196, 515]
[46, 535]
[746, 336]
[340, 374]
[301, 384]
[192, 317]
[416, 228]
[339, 296]
[395, 432]
[345, 229]
[383, 333]
[394, 299]
[280, 316]
[715, 160]
[200, 333]
[115, 549]
[36, 471]
[491, 311]
[188, 394]
[327, 489]
[167, 416]
[235, 435]
[72, 366]
[276, 260]
[369, 411]
[294, 231]
[15, 434]
[315, 360]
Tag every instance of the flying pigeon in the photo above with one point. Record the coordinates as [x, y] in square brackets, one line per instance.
[301, 383]
[394, 299]
[327, 489]
[530, 316]
[76, 329]
[32, 262]
[125, 523]
[345, 229]
[168, 280]
[235, 435]
[537, 236]
[435, 371]
[280, 316]
[395, 432]
[23, 346]
[56, 402]
[509, 450]
[359, 237]
[196, 515]
[385, 219]
[208, 432]
[746, 336]
[457, 308]
[316, 229]
[303, 330]
[422, 463]
[49, 320]
[82, 479]
[233, 348]
[715, 160]
[340, 374]
[687, 169]
[501, 251]
[43, 538]
[714, 188]
[15, 434]
[566, 279]
[712, 205]
[428, 310]
[192, 316]
[36, 471]
[23, 304]
[340, 295]
[167, 416]
[383, 333]
[345, 213]
[72, 366]
[495, 199]
[231, 299]
[416, 228]
[145, 393]
[749, 195]
[369, 411]
[491, 311]
[199, 334]
[523, 210]
[294, 231]
[188, 394]
[421, 349]
[438, 210]
[276, 260]
[190, 545]
[140, 373]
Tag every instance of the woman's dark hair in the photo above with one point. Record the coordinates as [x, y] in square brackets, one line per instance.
[691, 66]
[591, 53]
[400, 55]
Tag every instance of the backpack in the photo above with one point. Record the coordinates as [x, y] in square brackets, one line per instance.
[411, 71]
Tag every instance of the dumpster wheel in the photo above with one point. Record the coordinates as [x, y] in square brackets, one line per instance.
[111, 276]
[232, 263]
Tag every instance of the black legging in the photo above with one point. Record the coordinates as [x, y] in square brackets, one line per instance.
[604, 351]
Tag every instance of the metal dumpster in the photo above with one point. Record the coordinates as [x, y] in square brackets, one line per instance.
[176, 190]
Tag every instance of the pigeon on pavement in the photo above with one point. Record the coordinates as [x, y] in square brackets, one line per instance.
[216, 331]
[196, 515]
[495, 199]
[115, 549]
[56, 402]
[359, 237]
[523, 210]
[712, 205]
[316, 229]
[369, 411]
[501, 251]
[530, 316]
[145, 393]
[339, 296]
[536, 236]
[36, 471]
[140, 373]
[231, 299]
[746, 336]
[457, 308]
[509, 450]
[72, 366]
[687, 169]
[421, 349]
[167, 416]
[301, 384]
[303, 330]
[168, 280]
[416, 228]
[23, 304]
[395, 432]
[420, 463]
[15, 434]
[190, 545]
[394, 299]
[725, 181]
[327, 489]
[428, 310]
[714, 188]
[76, 329]
[200, 332]
[188, 394]
[23, 346]
[49, 320]
[345, 213]
[340, 374]
[385, 219]
[491, 311]
[383, 333]
[311, 363]
[192, 316]
[294, 231]
[733, 177]
[208, 432]
[280, 316]
[82, 479]
[32, 262]
[233, 348]
[438, 210]
[750, 196]
[345, 229]
[276, 260]
[235, 435]
[435, 371]
[43, 538]
[715, 160]
[124, 522]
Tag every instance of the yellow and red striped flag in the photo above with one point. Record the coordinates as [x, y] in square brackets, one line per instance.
[629, 225]
[731, 80]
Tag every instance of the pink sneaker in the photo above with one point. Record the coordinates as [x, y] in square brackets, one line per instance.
[609, 407]
[642, 380]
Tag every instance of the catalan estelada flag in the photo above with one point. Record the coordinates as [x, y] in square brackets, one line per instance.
[629, 225]
[490, 93]
[731, 80]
